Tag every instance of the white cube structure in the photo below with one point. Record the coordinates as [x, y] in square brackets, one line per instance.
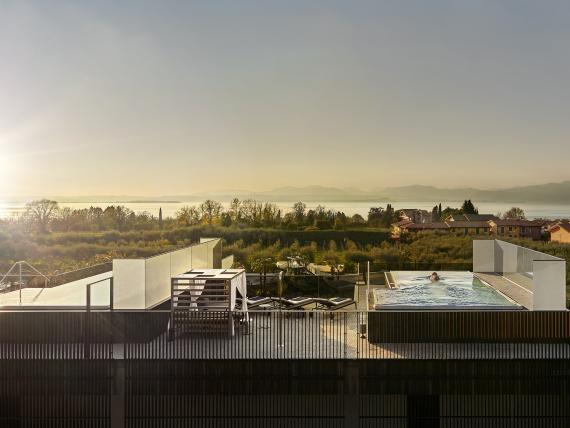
[541, 275]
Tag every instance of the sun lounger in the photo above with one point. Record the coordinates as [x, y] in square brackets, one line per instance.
[333, 303]
[293, 303]
[256, 301]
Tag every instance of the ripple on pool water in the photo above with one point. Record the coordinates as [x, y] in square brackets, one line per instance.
[453, 289]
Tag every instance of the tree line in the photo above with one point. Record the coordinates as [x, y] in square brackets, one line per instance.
[45, 216]
[438, 214]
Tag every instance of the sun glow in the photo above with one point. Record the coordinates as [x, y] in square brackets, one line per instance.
[4, 177]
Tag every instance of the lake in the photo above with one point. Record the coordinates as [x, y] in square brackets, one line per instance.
[169, 209]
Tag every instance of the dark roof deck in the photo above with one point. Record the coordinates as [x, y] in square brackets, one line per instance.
[295, 335]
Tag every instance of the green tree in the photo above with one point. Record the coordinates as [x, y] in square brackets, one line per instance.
[515, 213]
[435, 214]
[375, 216]
[226, 219]
[447, 212]
[334, 260]
[469, 208]
[357, 219]
[388, 216]
[188, 216]
[252, 212]
[299, 212]
[210, 211]
[118, 217]
[270, 215]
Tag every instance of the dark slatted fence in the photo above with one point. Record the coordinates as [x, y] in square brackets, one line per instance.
[300, 334]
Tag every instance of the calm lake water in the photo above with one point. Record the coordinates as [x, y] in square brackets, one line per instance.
[349, 208]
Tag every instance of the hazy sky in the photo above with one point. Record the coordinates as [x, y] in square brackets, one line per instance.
[140, 98]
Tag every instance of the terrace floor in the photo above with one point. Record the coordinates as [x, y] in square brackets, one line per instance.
[285, 336]
[322, 337]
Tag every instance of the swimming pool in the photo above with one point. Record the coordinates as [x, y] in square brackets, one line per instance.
[454, 290]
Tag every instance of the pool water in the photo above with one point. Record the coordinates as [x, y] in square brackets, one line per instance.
[453, 290]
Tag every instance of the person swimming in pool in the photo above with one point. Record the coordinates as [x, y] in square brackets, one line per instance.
[434, 277]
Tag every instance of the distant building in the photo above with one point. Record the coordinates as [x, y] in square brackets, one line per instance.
[509, 228]
[470, 227]
[414, 215]
[397, 228]
[551, 224]
[560, 233]
[518, 228]
[423, 227]
[471, 217]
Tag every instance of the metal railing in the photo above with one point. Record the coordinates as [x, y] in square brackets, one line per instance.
[335, 285]
[296, 334]
[74, 275]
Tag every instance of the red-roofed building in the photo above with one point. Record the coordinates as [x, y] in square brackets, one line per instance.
[518, 228]
[560, 233]
[397, 228]
[469, 227]
[419, 227]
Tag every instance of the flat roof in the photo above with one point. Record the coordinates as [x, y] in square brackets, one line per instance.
[70, 295]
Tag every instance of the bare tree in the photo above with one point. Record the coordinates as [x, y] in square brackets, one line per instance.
[65, 218]
[39, 214]
[236, 210]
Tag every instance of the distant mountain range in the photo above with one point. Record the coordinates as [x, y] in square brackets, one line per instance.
[550, 193]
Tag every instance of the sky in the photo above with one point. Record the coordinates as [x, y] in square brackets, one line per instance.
[179, 98]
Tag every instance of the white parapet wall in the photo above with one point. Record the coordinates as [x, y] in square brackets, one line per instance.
[145, 283]
[540, 274]
[484, 256]
[228, 262]
[129, 283]
[549, 285]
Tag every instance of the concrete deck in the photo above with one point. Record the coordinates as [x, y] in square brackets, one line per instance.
[518, 292]
[70, 295]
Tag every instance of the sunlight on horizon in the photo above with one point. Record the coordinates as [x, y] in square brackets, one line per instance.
[366, 96]
[4, 174]
[6, 169]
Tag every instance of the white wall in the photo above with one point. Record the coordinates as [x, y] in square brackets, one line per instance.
[129, 283]
[160, 269]
[200, 256]
[549, 285]
[511, 258]
[483, 256]
[144, 283]
[505, 257]
[213, 258]
[157, 279]
[542, 274]
[228, 262]
[180, 261]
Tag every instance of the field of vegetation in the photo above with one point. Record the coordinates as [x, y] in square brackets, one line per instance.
[258, 234]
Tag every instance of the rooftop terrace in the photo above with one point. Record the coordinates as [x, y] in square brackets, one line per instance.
[208, 321]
